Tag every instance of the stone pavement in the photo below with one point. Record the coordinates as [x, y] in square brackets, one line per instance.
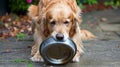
[101, 52]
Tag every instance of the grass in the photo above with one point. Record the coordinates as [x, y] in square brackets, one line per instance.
[29, 63]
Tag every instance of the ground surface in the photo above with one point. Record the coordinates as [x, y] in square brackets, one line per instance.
[101, 52]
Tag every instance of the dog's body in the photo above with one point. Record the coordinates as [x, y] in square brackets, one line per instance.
[57, 18]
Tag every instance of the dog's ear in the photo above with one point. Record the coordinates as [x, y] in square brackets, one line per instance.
[73, 25]
[73, 29]
[45, 22]
[75, 20]
[46, 29]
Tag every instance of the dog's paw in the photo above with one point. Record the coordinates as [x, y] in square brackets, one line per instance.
[37, 59]
[76, 59]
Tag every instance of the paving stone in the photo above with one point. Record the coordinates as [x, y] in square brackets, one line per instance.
[110, 27]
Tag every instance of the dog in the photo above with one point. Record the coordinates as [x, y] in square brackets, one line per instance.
[60, 19]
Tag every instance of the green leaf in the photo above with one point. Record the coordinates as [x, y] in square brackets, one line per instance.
[81, 6]
[106, 3]
[30, 64]
[117, 3]
[20, 36]
[111, 3]
[94, 2]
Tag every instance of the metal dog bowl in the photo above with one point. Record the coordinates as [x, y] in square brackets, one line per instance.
[57, 51]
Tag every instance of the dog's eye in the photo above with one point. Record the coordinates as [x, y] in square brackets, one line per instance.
[52, 22]
[66, 22]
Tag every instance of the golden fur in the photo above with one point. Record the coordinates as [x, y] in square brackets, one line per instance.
[53, 17]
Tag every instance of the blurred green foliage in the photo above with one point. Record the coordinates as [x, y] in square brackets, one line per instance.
[113, 3]
[90, 2]
[117, 3]
[19, 6]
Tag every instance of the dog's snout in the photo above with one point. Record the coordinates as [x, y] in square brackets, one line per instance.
[59, 36]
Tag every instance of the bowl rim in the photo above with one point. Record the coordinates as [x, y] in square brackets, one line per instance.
[47, 59]
[73, 45]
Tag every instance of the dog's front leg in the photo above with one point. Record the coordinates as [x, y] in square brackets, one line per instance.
[37, 41]
[34, 49]
[37, 57]
[78, 53]
[77, 39]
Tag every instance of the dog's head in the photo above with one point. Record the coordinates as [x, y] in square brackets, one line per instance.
[60, 21]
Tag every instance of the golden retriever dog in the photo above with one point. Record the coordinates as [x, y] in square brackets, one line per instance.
[60, 19]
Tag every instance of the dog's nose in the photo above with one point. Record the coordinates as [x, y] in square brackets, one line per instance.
[60, 36]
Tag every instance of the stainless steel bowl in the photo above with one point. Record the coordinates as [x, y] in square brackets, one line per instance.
[57, 51]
